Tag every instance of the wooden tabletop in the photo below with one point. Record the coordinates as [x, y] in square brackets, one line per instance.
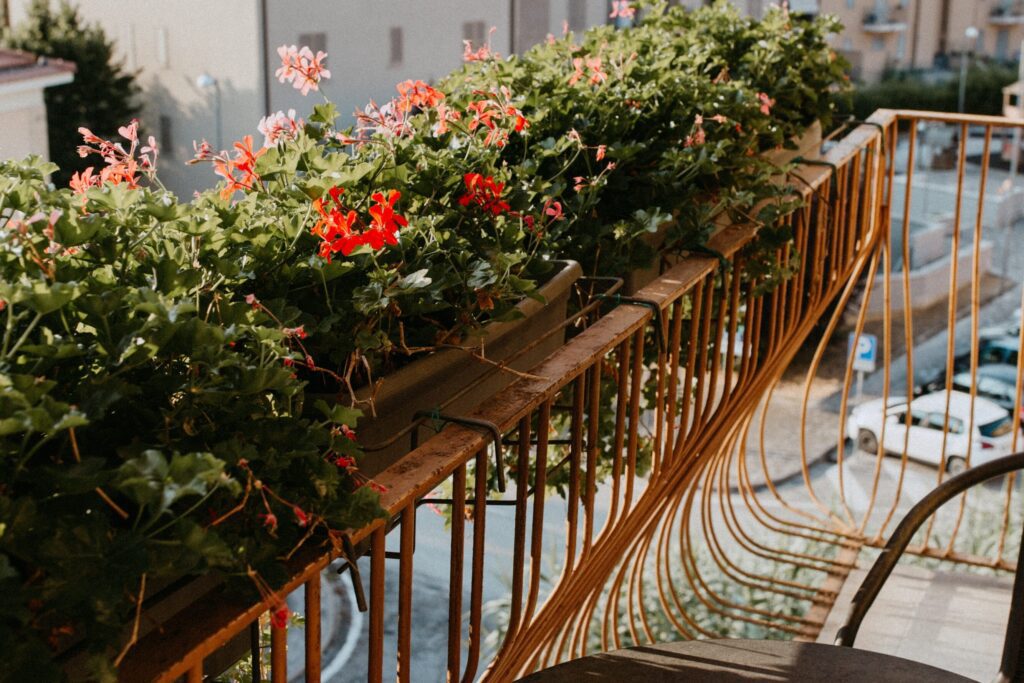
[743, 660]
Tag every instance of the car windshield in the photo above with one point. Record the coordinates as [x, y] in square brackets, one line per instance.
[997, 427]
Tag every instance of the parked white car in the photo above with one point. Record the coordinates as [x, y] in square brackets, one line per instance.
[924, 418]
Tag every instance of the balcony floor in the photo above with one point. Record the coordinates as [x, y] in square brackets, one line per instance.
[950, 619]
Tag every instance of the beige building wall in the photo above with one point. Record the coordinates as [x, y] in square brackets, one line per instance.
[372, 45]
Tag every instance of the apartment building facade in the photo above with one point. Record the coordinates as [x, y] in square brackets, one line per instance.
[920, 34]
[207, 68]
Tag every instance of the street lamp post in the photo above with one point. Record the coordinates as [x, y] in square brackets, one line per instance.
[971, 34]
[206, 82]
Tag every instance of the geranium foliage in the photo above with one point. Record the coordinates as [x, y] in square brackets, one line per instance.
[158, 357]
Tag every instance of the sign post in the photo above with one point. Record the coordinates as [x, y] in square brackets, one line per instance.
[865, 356]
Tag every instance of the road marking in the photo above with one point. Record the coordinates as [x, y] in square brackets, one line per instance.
[856, 496]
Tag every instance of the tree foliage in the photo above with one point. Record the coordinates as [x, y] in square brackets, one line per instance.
[101, 97]
[908, 90]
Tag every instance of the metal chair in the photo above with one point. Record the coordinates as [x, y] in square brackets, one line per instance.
[1011, 669]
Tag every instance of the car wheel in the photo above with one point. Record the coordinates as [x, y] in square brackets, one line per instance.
[955, 464]
[867, 441]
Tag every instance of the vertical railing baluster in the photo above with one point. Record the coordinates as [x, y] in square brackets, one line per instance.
[458, 542]
[407, 540]
[255, 652]
[575, 456]
[312, 600]
[519, 540]
[375, 652]
[539, 490]
[278, 653]
[477, 563]
[593, 454]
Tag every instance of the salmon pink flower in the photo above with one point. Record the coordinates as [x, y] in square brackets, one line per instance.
[580, 183]
[348, 432]
[243, 163]
[622, 9]
[601, 149]
[494, 113]
[553, 210]
[203, 151]
[766, 103]
[301, 518]
[444, 117]
[594, 65]
[279, 127]
[82, 181]
[481, 53]
[718, 118]
[122, 166]
[419, 95]
[301, 68]
[389, 119]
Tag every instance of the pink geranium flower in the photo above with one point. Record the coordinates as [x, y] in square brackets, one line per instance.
[302, 68]
[279, 127]
[622, 9]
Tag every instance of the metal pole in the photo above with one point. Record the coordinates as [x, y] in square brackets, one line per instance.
[964, 57]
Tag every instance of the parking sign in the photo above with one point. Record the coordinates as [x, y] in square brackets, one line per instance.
[866, 354]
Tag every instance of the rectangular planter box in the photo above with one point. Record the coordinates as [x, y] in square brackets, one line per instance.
[428, 382]
[808, 146]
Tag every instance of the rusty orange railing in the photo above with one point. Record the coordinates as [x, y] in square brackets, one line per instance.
[670, 451]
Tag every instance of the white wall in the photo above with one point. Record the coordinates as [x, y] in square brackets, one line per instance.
[23, 113]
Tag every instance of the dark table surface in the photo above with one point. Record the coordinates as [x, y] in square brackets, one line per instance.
[743, 660]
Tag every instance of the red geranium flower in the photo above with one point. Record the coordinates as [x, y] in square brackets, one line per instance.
[279, 617]
[339, 228]
[484, 192]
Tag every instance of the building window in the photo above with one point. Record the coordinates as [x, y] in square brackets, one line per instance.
[166, 136]
[475, 32]
[577, 15]
[877, 43]
[901, 46]
[163, 57]
[317, 42]
[397, 51]
[849, 4]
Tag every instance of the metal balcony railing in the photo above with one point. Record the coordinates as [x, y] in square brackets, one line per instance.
[664, 472]
[886, 21]
[1006, 13]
